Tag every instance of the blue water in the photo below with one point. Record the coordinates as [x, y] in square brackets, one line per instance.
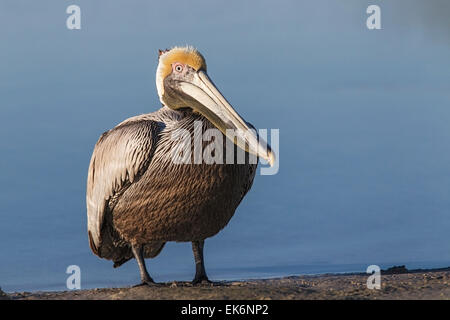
[363, 117]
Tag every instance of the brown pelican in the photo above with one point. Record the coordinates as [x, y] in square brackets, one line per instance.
[138, 198]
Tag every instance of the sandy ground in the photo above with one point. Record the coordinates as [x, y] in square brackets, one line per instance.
[395, 284]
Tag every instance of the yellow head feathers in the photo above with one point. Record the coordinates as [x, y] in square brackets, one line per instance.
[186, 55]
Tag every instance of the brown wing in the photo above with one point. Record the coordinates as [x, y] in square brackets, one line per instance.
[120, 157]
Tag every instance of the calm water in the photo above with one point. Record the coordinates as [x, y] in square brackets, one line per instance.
[363, 117]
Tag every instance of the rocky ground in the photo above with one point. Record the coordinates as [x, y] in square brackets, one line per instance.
[396, 283]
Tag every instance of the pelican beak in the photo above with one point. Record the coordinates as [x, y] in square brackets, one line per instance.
[205, 98]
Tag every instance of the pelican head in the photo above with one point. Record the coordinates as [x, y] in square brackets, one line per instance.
[182, 82]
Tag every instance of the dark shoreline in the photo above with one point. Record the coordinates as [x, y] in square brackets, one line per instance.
[396, 283]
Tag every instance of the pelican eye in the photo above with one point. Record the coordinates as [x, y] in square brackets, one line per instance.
[178, 67]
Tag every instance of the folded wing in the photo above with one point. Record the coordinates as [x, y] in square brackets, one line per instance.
[120, 158]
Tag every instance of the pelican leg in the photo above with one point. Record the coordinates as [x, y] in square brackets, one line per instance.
[200, 273]
[138, 252]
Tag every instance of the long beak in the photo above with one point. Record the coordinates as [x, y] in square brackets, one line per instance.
[212, 104]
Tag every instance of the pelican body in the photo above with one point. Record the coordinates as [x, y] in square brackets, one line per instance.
[138, 198]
